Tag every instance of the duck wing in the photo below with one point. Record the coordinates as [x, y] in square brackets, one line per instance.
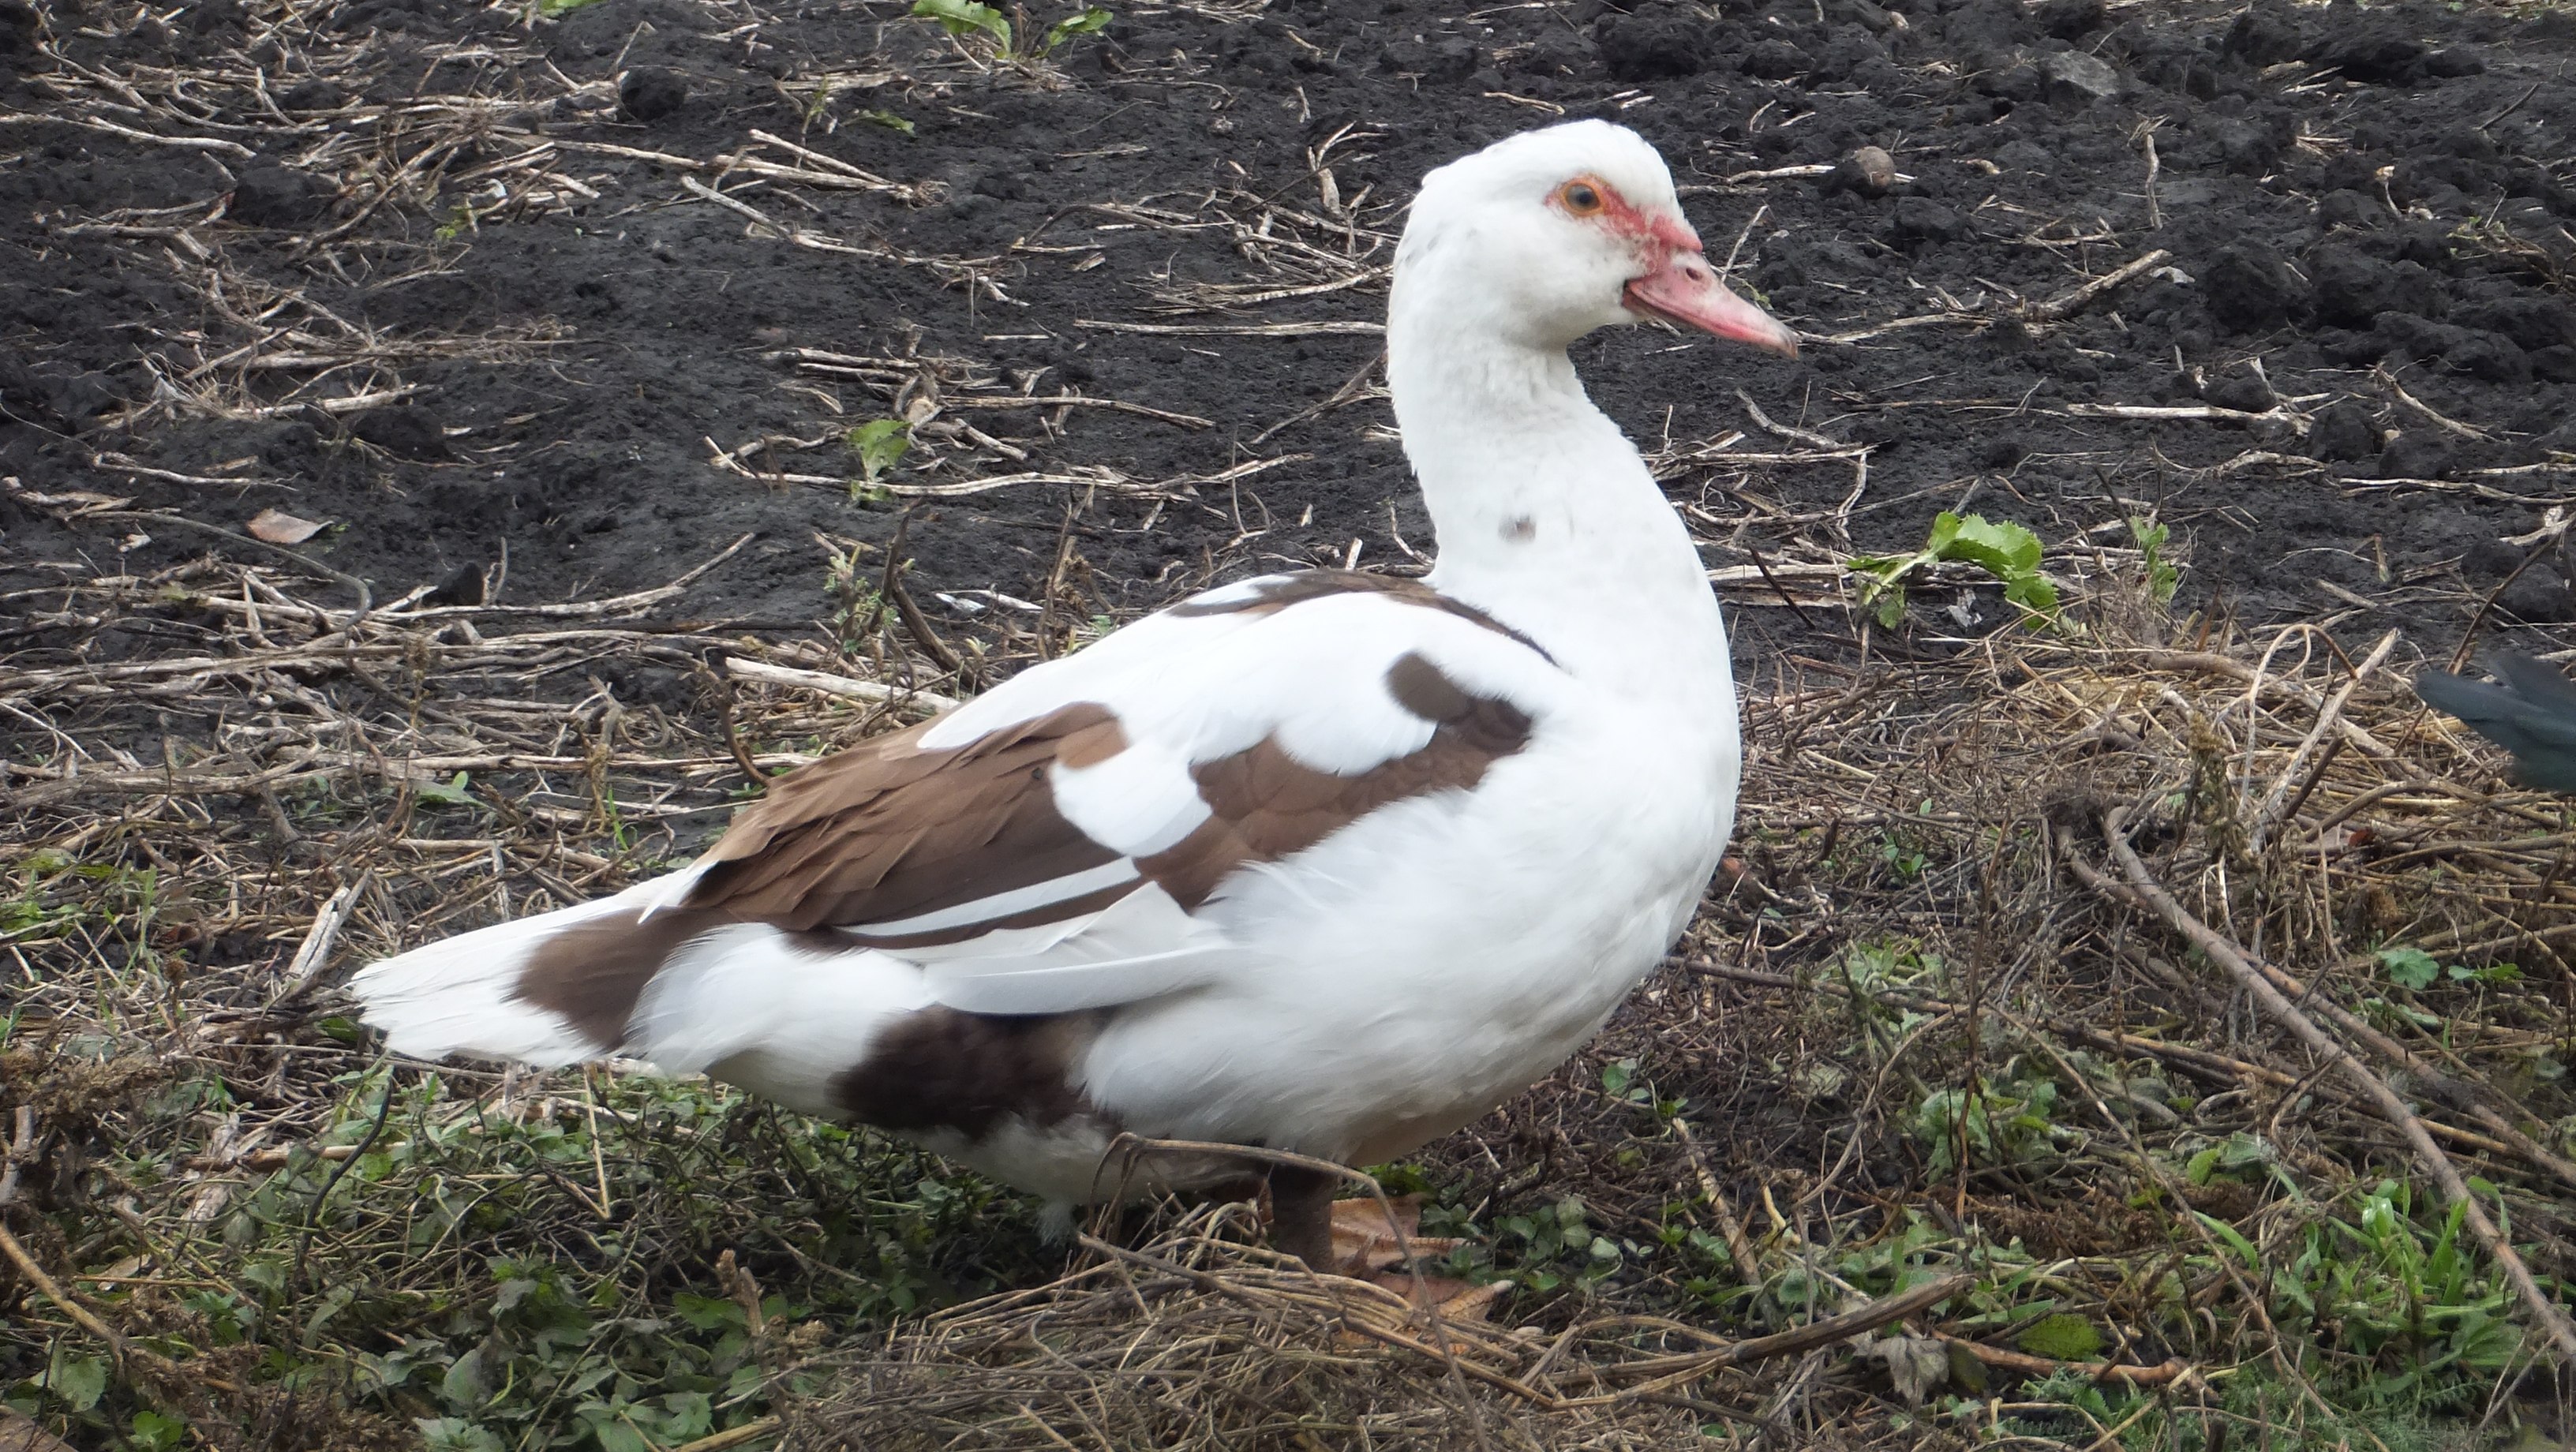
[1043, 850]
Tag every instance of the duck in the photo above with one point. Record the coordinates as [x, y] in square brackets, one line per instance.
[2530, 712]
[1324, 864]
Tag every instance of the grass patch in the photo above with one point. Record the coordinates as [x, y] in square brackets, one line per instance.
[1905, 1049]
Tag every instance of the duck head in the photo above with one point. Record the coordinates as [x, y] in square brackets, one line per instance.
[1545, 236]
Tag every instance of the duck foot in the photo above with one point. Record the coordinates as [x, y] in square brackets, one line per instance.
[1371, 1242]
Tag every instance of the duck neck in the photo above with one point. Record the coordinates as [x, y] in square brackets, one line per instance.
[1546, 516]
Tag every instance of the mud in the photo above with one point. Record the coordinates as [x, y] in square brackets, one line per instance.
[2367, 211]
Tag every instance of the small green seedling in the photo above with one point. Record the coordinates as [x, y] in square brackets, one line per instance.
[886, 119]
[964, 18]
[880, 445]
[2004, 550]
[2410, 968]
[449, 793]
[1090, 21]
[2162, 577]
[2415, 969]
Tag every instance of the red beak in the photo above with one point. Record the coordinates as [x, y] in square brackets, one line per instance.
[1685, 292]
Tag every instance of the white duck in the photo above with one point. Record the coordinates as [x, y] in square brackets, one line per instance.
[1327, 862]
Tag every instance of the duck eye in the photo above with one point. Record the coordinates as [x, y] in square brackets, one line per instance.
[1583, 199]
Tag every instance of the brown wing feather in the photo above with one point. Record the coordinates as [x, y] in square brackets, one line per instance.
[888, 830]
[1266, 804]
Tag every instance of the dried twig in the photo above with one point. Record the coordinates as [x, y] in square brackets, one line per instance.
[873, 692]
[2075, 298]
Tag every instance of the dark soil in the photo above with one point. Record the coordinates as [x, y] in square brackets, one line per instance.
[2357, 201]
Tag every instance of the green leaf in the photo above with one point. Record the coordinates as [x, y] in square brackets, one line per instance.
[2005, 551]
[888, 120]
[707, 1313]
[2032, 593]
[1614, 1076]
[966, 17]
[464, 1385]
[1883, 582]
[79, 1380]
[2061, 1337]
[1092, 19]
[449, 793]
[880, 445]
[2409, 967]
[455, 1434]
[2236, 1241]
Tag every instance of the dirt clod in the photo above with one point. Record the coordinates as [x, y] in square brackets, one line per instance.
[408, 430]
[1870, 171]
[2343, 433]
[270, 195]
[2351, 288]
[2416, 454]
[649, 93]
[1653, 45]
[2250, 290]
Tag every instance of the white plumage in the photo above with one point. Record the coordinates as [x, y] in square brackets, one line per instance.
[1322, 862]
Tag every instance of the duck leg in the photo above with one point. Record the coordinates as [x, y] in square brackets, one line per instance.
[1301, 1214]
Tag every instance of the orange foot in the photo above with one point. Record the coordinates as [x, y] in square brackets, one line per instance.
[1368, 1246]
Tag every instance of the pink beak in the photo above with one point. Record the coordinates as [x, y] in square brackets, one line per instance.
[1685, 292]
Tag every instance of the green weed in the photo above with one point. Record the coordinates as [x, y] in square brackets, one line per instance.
[2157, 573]
[538, 1273]
[1996, 1123]
[2006, 551]
[880, 444]
[970, 19]
[450, 793]
[2403, 1314]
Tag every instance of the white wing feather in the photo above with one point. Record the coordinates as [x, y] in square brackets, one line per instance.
[1189, 690]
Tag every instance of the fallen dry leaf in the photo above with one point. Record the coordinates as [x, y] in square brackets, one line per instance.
[279, 527]
[20, 1433]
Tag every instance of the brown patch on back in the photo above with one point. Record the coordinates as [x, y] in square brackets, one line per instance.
[594, 973]
[1092, 745]
[943, 1069]
[1474, 724]
[1265, 804]
[1278, 594]
[887, 830]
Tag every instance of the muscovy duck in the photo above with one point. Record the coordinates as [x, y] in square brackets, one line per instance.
[1327, 862]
